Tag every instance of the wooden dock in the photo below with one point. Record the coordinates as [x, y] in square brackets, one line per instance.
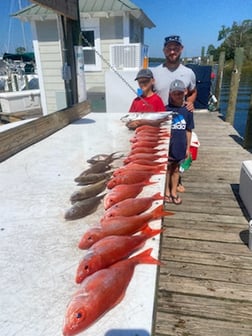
[204, 287]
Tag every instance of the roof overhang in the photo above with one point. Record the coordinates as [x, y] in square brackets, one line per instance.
[38, 13]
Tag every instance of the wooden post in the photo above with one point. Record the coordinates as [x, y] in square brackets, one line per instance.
[219, 78]
[248, 132]
[16, 82]
[9, 83]
[211, 60]
[202, 55]
[26, 82]
[234, 85]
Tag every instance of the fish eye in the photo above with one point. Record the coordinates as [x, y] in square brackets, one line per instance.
[90, 238]
[86, 267]
[79, 315]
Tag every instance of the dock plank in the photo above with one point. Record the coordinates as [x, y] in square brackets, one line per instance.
[204, 282]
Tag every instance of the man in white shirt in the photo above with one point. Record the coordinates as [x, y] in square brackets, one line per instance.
[172, 69]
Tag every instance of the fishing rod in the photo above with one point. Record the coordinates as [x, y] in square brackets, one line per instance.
[82, 37]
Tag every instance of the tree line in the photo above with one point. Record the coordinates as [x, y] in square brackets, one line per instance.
[238, 35]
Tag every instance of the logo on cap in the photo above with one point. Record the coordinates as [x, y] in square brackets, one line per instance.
[177, 85]
[173, 38]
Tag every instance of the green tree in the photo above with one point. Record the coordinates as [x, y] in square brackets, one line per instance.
[20, 50]
[239, 35]
[210, 50]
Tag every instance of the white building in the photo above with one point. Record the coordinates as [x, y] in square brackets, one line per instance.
[114, 28]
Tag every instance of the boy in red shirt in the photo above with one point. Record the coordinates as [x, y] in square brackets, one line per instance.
[149, 101]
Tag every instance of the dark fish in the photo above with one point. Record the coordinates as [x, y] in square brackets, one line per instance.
[83, 208]
[92, 178]
[99, 167]
[89, 191]
[108, 158]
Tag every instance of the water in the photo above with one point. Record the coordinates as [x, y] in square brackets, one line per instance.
[242, 104]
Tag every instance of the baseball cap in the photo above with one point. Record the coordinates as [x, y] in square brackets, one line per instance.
[144, 73]
[177, 85]
[173, 38]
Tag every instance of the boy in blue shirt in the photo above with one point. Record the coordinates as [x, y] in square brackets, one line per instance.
[181, 132]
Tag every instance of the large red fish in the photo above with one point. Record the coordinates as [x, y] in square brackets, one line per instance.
[121, 226]
[149, 128]
[131, 177]
[123, 191]
[109, 250]
[148, 150]
[148, 163]
[150, 138]
[136, 167]
[151, 144]
[144, 156]
[136, 220]
[162, 132]
[100, 292]
[131, 206]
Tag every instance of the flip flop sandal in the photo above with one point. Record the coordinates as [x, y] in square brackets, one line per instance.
[176, 200]
[168, 199]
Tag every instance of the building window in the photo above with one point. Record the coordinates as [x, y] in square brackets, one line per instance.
[89, 42]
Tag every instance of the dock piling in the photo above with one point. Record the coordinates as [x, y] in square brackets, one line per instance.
[234, 85]
[219, 78]
[247, 144]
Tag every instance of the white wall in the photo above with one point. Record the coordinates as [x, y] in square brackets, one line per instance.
[118, 95]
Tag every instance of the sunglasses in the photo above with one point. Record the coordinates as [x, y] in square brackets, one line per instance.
[144, 81]
[176, 49]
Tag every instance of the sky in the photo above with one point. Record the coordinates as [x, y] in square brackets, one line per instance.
[13, 33]
[197, 22]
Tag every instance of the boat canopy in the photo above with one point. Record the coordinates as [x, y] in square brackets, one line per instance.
[25, 57]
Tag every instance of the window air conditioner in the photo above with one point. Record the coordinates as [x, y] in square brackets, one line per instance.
[126, 56]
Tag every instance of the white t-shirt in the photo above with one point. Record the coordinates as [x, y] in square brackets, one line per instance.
[163, 78]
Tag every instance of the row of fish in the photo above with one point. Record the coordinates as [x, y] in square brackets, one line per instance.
[107, 268]
[94, 181]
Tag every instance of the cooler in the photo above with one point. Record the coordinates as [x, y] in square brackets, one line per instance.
[245, 188]
[194, 146]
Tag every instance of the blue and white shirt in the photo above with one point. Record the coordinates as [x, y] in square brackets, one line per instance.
[182, 121]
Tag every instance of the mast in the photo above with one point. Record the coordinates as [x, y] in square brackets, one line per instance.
[22, 27]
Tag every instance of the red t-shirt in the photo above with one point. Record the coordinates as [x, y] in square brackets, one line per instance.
[153, 104]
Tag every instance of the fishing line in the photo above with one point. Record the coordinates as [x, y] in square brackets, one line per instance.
[115, 71]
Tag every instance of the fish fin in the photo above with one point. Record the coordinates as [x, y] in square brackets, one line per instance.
[145, 258]
[149, 232]
[145, 183]
[157, 196]
[159, 212]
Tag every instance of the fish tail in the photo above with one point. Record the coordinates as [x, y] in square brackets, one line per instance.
[162, 166]
[145, 183]
[157, 196]
[145, 258]
[148, 232]
[159, 212]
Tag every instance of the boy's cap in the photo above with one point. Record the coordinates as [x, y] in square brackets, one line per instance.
[173, 38]
[177, 85]
[144, 73]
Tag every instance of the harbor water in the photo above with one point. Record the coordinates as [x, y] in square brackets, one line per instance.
[243, 100]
